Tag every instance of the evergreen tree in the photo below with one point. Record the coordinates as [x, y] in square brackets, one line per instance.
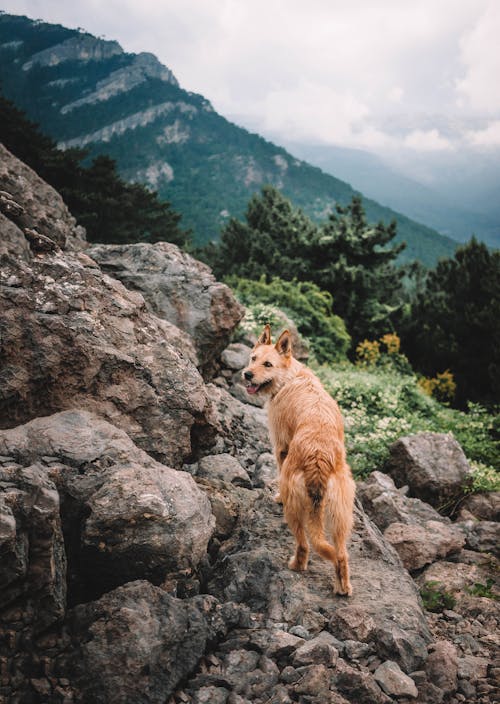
[455, 322]
[355, 263]
[110, 209]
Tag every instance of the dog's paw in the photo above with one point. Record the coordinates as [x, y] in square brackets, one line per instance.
[296, 565]
[342, 589]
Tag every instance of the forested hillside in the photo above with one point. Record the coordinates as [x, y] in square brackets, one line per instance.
[87, 92]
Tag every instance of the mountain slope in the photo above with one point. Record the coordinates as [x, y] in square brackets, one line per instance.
[84, 91]
[377, 180]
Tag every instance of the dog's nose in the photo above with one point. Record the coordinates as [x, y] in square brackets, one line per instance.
[248, 375]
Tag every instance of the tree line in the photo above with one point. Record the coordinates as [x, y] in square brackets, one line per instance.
[447, 318]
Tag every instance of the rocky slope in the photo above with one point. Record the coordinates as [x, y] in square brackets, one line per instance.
[143, 558]
[87, 92]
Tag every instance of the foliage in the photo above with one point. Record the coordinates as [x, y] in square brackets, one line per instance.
[345, 257]
[308, 306]
[484, 478]
[380, 404]
[484, 590]
[454, 322]
[436, 598]
[110, 209]
[442, 387]
[368, 353]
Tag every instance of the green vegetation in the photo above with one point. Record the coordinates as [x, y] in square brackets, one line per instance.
[484, 590]
[436, 598]
[110, 209]
[347, 258]
[308, 306]
[454, 322]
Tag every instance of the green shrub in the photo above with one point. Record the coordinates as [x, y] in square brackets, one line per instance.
[436, 598]
[308, 306]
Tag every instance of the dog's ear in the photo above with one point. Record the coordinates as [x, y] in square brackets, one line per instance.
[265, 336]
[284, 344]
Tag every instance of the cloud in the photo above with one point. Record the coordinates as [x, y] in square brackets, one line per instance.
[488, 137]
[427, 141]
[478, 88]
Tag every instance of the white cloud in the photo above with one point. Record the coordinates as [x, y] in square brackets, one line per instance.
[478, 88]
[488, 137]
[427, 141]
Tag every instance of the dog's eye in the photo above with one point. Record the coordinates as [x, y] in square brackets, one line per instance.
[253, 358]
[268, 364]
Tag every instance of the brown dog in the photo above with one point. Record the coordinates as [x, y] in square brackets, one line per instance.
[307, 433]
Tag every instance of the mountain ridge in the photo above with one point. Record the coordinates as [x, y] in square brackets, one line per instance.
[86, 91]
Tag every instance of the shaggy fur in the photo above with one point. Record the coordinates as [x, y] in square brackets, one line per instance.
[307, 432]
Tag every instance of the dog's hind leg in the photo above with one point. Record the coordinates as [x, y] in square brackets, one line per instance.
[292, 496]
[340, 500]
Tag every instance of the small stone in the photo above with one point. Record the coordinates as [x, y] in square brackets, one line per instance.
[315, 651]
[300, 632]
[393, 680]
[442, 666]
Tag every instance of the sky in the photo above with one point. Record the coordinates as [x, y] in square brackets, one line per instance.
[418, 76]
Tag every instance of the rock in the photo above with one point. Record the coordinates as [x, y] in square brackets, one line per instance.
[418, 546]
[33, 572]
[138, 642]
[236, 356]
[315, 652]
[125, 515]
[385, 504]
[266, 472]
[485, 506]
[314, 681]
[36, 205]
[454, 577]
[407, 646]
[483, 536]
[73, 337]
[178, 288]
[432, 464]
[393, 681]
[471, 667]
[442, 666]
[224, 467]
[359, 687]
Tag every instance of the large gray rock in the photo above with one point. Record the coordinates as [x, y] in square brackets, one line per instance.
[393, 681]
[39, 207]
[178, 288]
[419, 545]
[135, 644]
[124, 515]
[74, 337]
[433, 465]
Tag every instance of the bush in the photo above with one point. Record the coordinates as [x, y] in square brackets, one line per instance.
[436, 598]
[308, 306]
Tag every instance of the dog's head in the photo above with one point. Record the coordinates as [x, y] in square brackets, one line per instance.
[268, 364]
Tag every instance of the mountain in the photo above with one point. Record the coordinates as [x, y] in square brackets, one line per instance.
[87, 92]
[442, 206]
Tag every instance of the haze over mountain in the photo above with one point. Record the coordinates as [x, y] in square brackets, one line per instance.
[87, 92]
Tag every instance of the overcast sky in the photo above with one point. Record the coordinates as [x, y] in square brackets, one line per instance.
[374, 74]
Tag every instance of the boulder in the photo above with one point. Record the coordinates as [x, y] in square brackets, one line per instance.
[433, 465]
[484, 506]
[393, 681]
[74, 337]
[138, 643]
[28, 202]
[179, 289]
[442, 666]
[124, 515]
[224, 467]
[385, 504]
[419, 545]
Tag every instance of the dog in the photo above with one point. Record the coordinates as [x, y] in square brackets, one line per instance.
[307, 433]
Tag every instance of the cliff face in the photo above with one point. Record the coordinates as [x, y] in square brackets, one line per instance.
[87, 92]
[143, 558]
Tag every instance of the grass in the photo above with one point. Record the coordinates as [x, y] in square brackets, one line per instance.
[436, 598]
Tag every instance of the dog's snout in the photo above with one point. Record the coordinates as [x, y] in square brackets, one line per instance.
[248, 375]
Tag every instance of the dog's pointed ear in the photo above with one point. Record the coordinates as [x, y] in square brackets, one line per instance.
[284, 344]
[265, 336]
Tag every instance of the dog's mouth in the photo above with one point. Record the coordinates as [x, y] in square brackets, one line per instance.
[255, 388]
